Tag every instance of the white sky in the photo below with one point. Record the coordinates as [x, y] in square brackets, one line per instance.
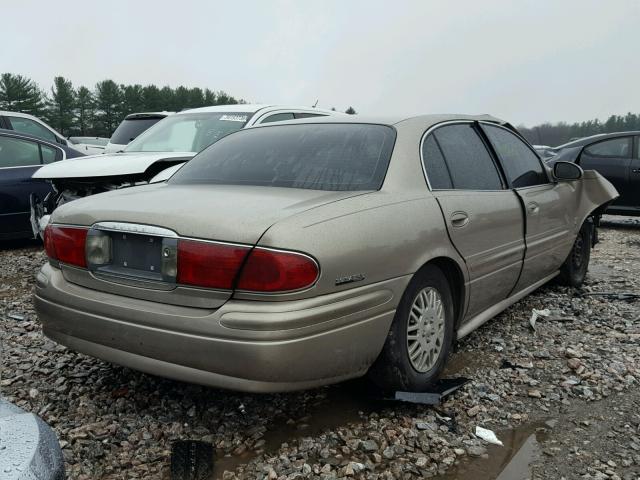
[526, 61]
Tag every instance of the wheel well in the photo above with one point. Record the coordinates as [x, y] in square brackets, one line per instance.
[455, 278]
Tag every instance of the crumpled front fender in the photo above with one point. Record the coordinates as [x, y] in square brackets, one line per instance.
[596, 193]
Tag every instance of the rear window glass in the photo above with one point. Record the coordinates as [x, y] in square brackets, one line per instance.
[310, 156]
[130, 129]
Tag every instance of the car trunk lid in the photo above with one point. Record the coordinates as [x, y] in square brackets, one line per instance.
[145, 223]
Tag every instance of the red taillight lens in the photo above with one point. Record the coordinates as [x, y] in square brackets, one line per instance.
[211, 265]
[66, 244]
[277, 271]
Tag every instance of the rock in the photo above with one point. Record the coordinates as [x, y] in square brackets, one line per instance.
[534, 393]
[369, 446]
[476, 451]
[388, 453]
[473, 411]
[574, 363]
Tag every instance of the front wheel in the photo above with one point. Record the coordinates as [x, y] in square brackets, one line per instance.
[420, 337]
[574, 269]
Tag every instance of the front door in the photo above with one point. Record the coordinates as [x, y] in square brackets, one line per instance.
[19, 159]
[549, 207]
[611, 159]
[483, 218]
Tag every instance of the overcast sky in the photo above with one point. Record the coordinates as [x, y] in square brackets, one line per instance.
[525, 61]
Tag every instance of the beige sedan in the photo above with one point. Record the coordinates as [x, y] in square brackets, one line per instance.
[295, 255]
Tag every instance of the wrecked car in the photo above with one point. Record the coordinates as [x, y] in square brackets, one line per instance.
[169, 143]
[616, 157]
[300, 254]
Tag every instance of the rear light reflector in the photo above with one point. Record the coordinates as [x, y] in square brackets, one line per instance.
[66, 244]
[210, 265]
[277, 271]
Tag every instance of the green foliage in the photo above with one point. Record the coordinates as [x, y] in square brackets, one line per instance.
[562, 132]
[20, 94]
[84, 112]
[99, 112]
[60, 107]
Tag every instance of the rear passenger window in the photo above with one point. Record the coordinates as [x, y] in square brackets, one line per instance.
[435, 166]
[15, 152]
[616, 147]
[309, 115]
[278, 117]
[49, 154]
[521, 165]
[470, 165]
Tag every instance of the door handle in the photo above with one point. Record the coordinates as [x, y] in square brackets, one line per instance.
[459, 219]
[533, 208]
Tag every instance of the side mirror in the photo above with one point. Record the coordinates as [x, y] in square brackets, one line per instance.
[567, 171]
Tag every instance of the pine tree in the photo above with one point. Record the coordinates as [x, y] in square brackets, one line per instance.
[20, 94]
[84, 112]
[350, 111]
[108, 107]
[60, 107]
[151, 99]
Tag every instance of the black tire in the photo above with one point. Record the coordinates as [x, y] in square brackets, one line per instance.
[574, 269]
[393, 369]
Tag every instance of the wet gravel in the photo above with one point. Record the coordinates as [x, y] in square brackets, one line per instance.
[571, 386]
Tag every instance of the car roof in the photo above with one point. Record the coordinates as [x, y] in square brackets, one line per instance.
[18, 114]
[253, 108]
[600, 136]
[423, 121]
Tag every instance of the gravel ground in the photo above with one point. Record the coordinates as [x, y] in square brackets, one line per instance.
[564, 398]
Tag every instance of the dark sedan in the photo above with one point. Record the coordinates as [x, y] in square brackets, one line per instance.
[616, 156]
[20, 156]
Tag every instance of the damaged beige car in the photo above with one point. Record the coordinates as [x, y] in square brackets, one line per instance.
[295, 255]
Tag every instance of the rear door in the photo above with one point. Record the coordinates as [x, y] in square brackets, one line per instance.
[19, 159]
[634, 177]
[484, 218]
[612, 159]
[549, 207]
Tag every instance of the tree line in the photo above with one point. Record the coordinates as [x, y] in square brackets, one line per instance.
[97, 112]
[558, 133]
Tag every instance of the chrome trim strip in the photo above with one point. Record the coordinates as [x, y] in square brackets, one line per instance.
[138, 228]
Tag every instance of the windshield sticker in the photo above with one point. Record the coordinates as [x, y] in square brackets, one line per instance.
[234, 118]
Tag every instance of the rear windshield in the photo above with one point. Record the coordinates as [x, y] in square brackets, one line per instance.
[188, 132]
[312, 156]
[130, 129]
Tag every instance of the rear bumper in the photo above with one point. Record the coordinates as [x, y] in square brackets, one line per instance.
[243, 345]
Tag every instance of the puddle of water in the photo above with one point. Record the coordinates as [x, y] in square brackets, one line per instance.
[511, 462]
[468, 362]
[341, 406]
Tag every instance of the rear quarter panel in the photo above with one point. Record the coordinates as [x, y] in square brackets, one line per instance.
[378, 235]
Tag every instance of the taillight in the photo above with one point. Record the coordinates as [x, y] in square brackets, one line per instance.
[211, 265]
[277, 271]
[66, 244]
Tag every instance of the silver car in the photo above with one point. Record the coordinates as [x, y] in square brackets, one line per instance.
[300, 254]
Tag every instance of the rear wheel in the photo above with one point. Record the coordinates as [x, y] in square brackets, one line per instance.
[574, 269]
[420, 337]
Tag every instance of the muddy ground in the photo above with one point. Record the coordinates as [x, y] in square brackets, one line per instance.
[564, 399]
